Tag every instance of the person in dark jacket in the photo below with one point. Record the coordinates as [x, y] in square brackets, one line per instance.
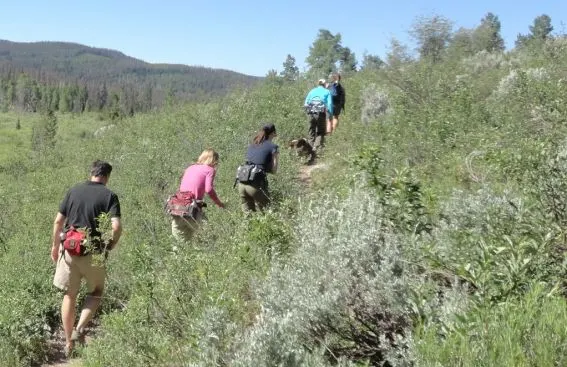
[338, 97]
[263, 155]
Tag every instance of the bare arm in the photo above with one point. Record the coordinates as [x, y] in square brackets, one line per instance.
[275, 159]
[116, 230]
[210, 188]
[56, 236]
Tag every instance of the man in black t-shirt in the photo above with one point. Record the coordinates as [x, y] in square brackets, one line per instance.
[80, 209]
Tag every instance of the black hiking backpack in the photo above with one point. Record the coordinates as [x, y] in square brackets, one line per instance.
[315, 108]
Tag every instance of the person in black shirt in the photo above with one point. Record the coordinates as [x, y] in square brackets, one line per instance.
[338, 97]
[80, 209]
[263, 154]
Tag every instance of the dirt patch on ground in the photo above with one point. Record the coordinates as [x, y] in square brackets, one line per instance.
[305, 173]
[56, 356]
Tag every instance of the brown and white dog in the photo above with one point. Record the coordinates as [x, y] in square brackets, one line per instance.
[303, 149]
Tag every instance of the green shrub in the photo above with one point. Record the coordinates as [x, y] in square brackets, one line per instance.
[399, 194]
[494, 243]
[459, 232]
[342, 294]
[529, 332]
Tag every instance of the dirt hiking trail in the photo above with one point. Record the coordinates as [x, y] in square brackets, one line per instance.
[305, 172]
[56, 356]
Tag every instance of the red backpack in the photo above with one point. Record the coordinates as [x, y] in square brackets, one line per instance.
[182, 204]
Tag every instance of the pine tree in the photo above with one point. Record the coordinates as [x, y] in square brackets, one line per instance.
[82, 98]
[101, 99]
[324, 53]
[44, 132]
[371, 62]
[54, 103]
[114, 108]
[290, 71]
[347, 60]
[146, 103]
[487, 35]
[432, 36]
[540, 31]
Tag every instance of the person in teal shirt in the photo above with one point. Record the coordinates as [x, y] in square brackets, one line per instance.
[319, 107]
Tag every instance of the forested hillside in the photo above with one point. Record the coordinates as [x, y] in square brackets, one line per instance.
[432, 230]
[73, 78]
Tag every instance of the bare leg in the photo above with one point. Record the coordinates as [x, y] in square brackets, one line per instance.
[92, 302]
[329, 127]
[335, 123]
[68, 316]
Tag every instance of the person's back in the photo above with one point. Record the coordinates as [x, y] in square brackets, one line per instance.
[262, 154]
[337, 95]
[81, 208]
[319, 107]
[198, 179]
[85, 202]
[338, 101]
[322, 94]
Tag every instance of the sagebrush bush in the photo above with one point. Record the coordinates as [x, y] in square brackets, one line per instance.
[551, 183]
[516, 77]
[494, 243]
[529, 332]
[485, 60]
[555, 49]
[507, 83]
[376, 103]
[344, 291]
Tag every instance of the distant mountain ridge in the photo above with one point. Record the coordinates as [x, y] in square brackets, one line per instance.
[64, 62]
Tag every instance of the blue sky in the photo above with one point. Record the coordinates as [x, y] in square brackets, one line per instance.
[248, 36]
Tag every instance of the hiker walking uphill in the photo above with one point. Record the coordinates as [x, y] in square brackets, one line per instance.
[252, 177]
[319, 107]
[76, 239]
[186, 206]
[338, 97]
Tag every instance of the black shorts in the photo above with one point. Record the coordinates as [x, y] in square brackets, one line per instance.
[337, 111]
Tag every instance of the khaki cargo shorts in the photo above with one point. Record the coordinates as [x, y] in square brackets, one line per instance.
[184, 228]
[71, 270]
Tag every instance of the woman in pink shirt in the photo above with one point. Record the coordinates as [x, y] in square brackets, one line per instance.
[199, 179]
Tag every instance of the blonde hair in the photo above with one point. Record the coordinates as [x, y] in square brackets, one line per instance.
[208, 157]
